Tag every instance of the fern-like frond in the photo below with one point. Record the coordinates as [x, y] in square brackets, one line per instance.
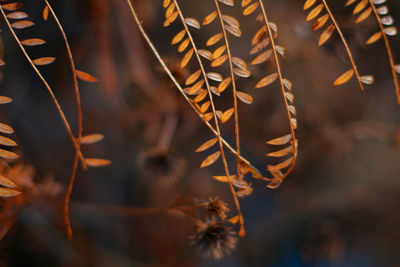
[385, 22]
[320, 22]
[263, 48]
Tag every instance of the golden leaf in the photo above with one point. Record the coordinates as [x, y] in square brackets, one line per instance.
[282, 152]
[12, 6]
[308, 4]
[210, 159]
[6, 192]
[187, 58]
[219, 61]
[320, 22]
[8, 154]
[224, 179]
[96, 162]
[22, 24]
[251, 8]
[214, 39]
[219, 51]
[33, 42]
[7, 141]
[227, 115]
[17, 15]
[364, 15]
[374, 38]
[261, 58]
[166, 3]
[182, 47]
[315, 12]
[178, 37]
[224, 84]
[43, 61]
[360, 6]
[210, 18]
[4, 128]
[91, 139]
[6, 182]
[259, 35]
[267, 80]
[5, 100]
[234, 220]
[205, 107]
[245, 98]
[344, 78]
[326, 34]
[280, 140]
[45, 13]
[84, 76]
[193, 77]
[207, 145]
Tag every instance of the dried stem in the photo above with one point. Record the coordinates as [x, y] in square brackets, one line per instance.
[75, 79]
[235, 105]
[50, 91]
[179, 87]
[210, 95]
[349, 54]
[278, 68]
[68, 197]
[389, 52]
[216, 131]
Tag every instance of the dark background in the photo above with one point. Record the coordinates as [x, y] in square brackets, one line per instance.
[338, 208]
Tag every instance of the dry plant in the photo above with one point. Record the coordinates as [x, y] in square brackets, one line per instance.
[210, 71]
[12, 11]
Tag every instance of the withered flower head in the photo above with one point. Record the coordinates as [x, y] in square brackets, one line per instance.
[215, 206]
[163, 165]
[213, 238]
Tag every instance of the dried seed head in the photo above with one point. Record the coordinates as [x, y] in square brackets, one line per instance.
[162, 165]
[216, 207]
[213, 238]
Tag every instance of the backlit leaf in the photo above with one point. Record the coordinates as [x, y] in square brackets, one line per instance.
[84, 76]
[96, 162]
[211, 159]
[44, 61]
[207, 145]
[344, 78]
[267, 80]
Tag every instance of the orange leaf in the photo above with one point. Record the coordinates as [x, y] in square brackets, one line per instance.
[210, 159]
[207, 145]
[344, 78]
[95, 162]
[44, 61]
[91, 139]
[85, 76]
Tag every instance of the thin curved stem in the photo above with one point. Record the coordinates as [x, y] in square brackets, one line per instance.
[349, 54]
[221, 146]
[68, 197]
[48, 88]
[155, 52]
[80, 128]
[241, 220]
[235, 105]
[279, 71]
[179, 87]
[75, 79]
[389, 52]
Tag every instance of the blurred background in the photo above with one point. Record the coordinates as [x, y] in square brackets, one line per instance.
[338, 208]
